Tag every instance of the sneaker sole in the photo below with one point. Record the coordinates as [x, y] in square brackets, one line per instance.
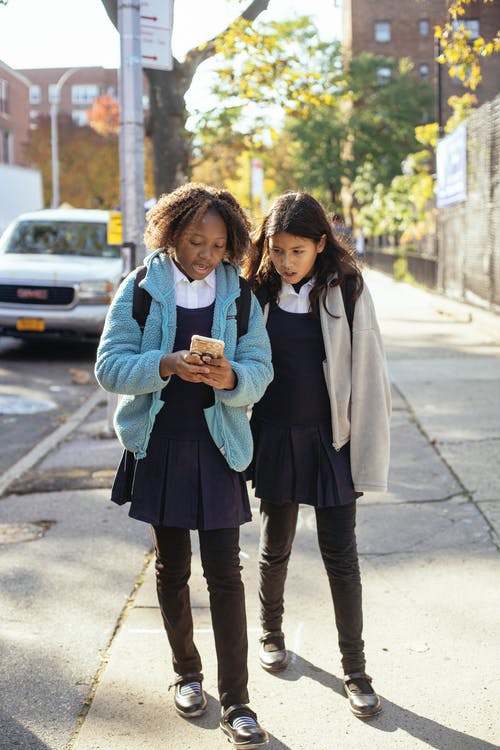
[246, 746]
[361, 715]
[192, 714]
[278, 667]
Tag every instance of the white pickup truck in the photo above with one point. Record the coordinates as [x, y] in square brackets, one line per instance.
[58, 274]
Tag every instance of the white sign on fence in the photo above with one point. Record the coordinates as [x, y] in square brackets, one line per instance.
[451, 167]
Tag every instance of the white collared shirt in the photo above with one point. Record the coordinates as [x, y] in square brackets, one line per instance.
[193, 294]
[292, 301]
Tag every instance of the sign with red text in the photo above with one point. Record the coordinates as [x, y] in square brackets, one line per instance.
[157, 20]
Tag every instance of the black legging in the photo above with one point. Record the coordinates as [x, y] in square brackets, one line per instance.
[219, 551]
[337, 542]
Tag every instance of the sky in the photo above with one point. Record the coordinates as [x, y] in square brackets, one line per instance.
[78, 33]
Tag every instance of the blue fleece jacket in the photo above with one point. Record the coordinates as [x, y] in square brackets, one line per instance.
[128, 361]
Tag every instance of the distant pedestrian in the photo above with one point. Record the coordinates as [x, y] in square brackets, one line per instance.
[321, 430]
[182, 421]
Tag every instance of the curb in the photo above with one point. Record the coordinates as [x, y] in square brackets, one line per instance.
[50, 442]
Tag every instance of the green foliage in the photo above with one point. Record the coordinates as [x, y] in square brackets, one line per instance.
[334, 118]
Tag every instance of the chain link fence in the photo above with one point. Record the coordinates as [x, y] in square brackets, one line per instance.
[468, 232]
[463, 259]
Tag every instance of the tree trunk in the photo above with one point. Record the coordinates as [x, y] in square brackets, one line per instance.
[167, 116]
[166, 127]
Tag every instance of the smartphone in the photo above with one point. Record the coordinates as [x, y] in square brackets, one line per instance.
[207, 347]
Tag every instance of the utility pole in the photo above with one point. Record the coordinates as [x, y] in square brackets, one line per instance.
[131, 126]
[54, 138]
[439, 86]
[131, 138]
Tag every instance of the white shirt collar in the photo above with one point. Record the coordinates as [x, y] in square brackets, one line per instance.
[196, 293]
[181, 278]
[292, 301]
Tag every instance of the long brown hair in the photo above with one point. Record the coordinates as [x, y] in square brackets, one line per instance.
[303, 216]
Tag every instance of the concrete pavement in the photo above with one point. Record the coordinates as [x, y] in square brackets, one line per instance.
[429, 551]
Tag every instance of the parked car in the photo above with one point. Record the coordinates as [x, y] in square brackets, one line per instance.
[57, 274]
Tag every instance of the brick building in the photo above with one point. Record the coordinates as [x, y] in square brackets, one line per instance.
[14, 115]
[76, 94]
[405, 28]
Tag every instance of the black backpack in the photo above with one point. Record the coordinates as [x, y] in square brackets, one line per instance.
[141, 303]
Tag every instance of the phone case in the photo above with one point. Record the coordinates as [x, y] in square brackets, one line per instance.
[207, 347]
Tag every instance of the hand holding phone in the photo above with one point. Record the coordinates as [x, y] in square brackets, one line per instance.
[206, 348]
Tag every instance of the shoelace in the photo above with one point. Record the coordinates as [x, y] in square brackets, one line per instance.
[189, 689]
[242, 722]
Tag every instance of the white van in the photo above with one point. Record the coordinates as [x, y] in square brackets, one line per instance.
[57, 274]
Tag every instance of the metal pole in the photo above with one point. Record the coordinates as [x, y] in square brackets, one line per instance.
[54, 139]
[131, 138]
[131, 125]
[439, 88]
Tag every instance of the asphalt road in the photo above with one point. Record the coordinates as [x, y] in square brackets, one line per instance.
[41, 385]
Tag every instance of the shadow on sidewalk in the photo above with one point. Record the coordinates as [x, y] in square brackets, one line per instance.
[393, 717]
[14, 734]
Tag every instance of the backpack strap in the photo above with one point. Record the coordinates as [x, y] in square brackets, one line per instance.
[141, 300]
[243, 304]
[141, 303]
[348, 288]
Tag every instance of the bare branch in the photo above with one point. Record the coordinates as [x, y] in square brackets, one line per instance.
[197, 55]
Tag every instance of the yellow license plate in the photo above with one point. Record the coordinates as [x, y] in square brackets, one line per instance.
[30, 324]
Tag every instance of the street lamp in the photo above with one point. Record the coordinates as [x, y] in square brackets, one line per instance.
[54, 106]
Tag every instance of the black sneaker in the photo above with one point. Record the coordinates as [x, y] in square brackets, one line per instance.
[363, 700]
[190, 701]
[273, 655]
[239, 724]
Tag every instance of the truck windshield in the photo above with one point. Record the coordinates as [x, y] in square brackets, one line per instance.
[59, 238]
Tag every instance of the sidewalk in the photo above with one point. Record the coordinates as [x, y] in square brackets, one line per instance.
[429, 551]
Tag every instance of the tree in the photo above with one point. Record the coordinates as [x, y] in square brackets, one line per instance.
[463, 58]
[89, 173]
[103, 116]
[167, 120]
[333, 117]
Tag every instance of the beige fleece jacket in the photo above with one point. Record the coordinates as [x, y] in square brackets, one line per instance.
[358, 386]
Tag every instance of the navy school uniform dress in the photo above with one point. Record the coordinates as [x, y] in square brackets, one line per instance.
[291, 424]
[184, 480]
[295, 463]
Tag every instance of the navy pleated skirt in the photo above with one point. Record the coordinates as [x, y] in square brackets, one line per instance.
[184, 480]
[297, 463]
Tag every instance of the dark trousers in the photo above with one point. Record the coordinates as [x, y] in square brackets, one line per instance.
[219, 552]
[337, 542]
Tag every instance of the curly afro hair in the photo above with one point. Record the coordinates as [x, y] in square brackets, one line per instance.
[174, 212]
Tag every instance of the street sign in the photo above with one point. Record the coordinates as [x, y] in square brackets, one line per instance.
[156, 34]
[115, 228]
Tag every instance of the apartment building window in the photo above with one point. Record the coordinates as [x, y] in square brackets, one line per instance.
[4, 97]
[382, 31]
[423, 27]
[470, 24]
[423, 70]
[79, 117]
[5, 151]
[53, 93]
[383, 76]
[84, 93]
[35, 94]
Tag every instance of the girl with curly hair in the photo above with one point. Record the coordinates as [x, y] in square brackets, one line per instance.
[324, 420]
[182, 421]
